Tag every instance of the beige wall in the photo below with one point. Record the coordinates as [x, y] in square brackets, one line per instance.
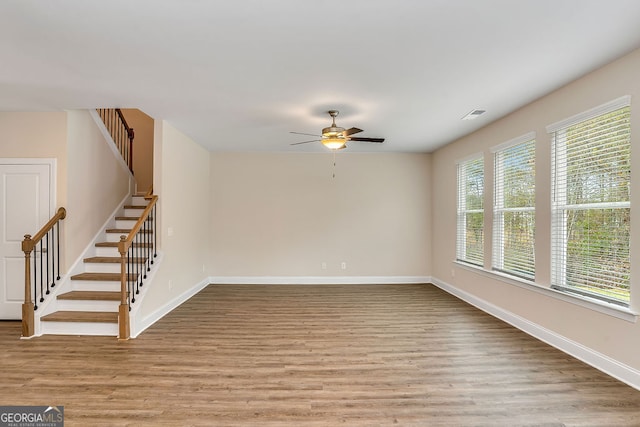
[37, 135]
[266, 214]
[90, 180]
[182, 185]
[142, 147]
[618, 339]
[98, 182]
[284, 214]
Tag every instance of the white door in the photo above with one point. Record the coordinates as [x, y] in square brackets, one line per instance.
[25, 206]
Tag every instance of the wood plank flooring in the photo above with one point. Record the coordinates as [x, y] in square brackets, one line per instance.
[353, 355]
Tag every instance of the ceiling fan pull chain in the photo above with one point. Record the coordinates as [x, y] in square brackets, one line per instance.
[334, 164]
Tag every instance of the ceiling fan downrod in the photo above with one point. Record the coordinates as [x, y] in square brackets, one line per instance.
[333, 131]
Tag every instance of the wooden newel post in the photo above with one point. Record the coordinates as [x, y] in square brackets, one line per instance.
[123, 311]
[28, 306]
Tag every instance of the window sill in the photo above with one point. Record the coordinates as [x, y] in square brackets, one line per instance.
[610, 309]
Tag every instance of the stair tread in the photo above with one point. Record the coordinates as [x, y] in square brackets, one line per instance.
[118, 230]
[124, 230]
[135, 206]
[127, 218]
[111, 260]
[90, 295]
[107, 277]
[82, 316]
[115, 244]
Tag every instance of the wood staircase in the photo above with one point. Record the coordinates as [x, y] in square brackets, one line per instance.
[91, 306]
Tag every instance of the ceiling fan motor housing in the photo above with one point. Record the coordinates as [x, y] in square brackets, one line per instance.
[333, 132]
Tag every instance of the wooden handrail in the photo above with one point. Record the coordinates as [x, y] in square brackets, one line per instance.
[28, 245]
[130, 135]
[122, 119]
[124, 245]
[30, 242]
[124, 248]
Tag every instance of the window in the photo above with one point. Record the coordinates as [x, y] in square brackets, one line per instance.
[591, 203]
[514, 207]
[470, 233]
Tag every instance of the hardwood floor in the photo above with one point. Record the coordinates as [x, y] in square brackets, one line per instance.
[353, 355]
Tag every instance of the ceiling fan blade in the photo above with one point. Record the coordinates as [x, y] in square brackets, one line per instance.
[367, 139]
[308, 134]
[352, 131]
[305, 142]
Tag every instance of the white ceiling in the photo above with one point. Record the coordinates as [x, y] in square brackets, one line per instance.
[238, 75]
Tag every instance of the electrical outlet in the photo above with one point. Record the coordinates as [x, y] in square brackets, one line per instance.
[170, 285]
[343, 265]
[324, 265]
[170, 231]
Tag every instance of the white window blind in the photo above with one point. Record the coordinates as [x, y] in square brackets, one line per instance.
[514, 208]
[591, 203]
[470, 233]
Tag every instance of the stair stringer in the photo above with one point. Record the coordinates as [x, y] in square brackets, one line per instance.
[136, 321]
[52, 304]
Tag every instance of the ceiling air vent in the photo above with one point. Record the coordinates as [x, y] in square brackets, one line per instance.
[474, 114]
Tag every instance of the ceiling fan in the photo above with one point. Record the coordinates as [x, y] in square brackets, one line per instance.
[334, 137]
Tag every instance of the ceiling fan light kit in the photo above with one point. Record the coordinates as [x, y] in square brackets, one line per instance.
[334, 143]
[335, 137]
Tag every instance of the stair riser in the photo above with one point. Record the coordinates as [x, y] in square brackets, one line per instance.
[107, 252]
[138, 201]
[88, 305]
[133, 212]
[100, 267]
[90, 285]
[114, 237]
[125, 223]
[113, 251]
[79, 328]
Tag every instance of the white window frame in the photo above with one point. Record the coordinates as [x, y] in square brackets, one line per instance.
[559, 197]
[462, 211]
[498, 205]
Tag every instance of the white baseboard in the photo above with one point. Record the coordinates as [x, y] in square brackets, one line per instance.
[609, 366]
[317, 280]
